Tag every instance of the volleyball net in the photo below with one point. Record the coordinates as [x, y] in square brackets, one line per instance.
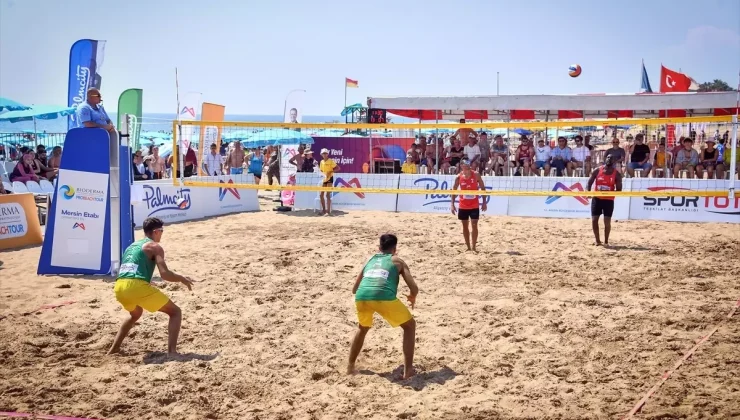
[663, 157]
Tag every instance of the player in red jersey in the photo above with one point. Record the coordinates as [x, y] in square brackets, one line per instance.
[468, 180]
[605, 178]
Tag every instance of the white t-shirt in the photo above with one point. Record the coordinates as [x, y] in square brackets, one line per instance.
[214, 163]
[471, 151]
[542, 154]
[580, 154]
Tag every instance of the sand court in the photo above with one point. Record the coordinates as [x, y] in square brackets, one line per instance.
[539, 324]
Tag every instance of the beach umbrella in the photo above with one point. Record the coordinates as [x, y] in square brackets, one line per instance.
[522, 132]
[352, 108]
[41, 112]
[276, 137]
[11, 105]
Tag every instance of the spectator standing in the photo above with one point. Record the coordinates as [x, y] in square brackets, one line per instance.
[273, 168]
[91, 113]
[156, 164]
[255, 161]
[236, 159]
[297, 159]
[309, 163]
[485, 150]
[191, 161]
[212, 164]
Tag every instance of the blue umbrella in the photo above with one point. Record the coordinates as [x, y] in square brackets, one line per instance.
[11, 105]
[523, 132]
[41, 112]
[276, 137]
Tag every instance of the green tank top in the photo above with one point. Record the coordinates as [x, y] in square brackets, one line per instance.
[379, 279]
[135, 264]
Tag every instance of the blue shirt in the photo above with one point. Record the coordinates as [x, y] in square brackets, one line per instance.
[563, 153]
[86, 112]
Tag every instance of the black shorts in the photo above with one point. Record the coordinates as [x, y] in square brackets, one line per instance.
[599, 207]
[329, 183]
[465, 214]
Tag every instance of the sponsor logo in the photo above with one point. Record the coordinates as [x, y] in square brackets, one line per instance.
[158, 201]
[289, 152]
[716, 205]
[78, 226]
[79, 214]
[562, 187]
[433, 199]
[352, 183]
[86, 194]
[12, 221]
[222, 191]
[188, 110]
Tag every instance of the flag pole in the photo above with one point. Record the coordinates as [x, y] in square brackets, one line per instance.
[345, 98]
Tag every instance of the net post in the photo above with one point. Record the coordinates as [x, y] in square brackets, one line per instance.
[175, 152]
[733, 158]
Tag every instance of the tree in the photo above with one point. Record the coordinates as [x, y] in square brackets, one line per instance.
[715, 86]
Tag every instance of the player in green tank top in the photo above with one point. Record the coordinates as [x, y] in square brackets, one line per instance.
[375, 292]
[134, 291]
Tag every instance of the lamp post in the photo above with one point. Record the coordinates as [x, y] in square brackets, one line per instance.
[285, 104]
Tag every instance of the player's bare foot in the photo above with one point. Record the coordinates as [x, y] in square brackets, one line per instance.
[408, 373]
[606, 245]
[351, 370]
[597, 243]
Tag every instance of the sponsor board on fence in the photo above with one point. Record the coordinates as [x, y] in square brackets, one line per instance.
[567, 207]
[82, 200]
[180, 203]
[19, 222]
[438, 200]
[684, 209]
[349, 200]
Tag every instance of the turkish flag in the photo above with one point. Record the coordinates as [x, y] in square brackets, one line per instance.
[673, 81]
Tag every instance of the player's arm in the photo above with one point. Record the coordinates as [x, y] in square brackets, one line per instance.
[593, 179]
[482, 187]
[618, 182]
[292, 160]
[158, 252]
[358, 280]
[453, 195]
[409, 279]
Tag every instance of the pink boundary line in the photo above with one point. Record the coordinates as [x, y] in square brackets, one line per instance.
[41, 416]
[678, 363]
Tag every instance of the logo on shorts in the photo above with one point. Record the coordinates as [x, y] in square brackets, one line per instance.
[352, 183]
[562, 187]
[222, 191]
[78, 226]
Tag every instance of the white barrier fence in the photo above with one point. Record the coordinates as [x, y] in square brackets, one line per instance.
[177, 204]
[685, 209]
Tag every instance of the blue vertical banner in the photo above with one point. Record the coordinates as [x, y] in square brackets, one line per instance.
[85, 60]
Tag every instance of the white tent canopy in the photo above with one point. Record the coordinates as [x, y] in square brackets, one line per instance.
[584, 106]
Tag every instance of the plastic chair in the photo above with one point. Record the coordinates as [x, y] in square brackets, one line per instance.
[5, 178]
[579, 172]
[34, 187]
[9, 166]
[638, 173]
[19, 187]
[46, 186]
[8, 186]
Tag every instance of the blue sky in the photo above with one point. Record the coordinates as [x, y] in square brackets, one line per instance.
[248, 54]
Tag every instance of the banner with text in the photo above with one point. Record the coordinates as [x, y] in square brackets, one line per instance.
[189, 108]
[438, 200]
[131, 102]
[19, 221]
[684, 209]
[348, 201]
[85, 61]
[353, 154]
[210, 134]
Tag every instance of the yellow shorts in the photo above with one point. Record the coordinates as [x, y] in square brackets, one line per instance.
[393, 311]
[134, 292]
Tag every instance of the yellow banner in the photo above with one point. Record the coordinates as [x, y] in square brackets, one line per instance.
[19, 221]
[210, 134]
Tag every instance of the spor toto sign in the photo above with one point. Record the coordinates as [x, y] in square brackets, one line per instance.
[717, 205]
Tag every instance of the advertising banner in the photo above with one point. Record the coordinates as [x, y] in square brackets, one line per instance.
[131, 102]
[684, 209]
[189, 108]
[210, 134]
[353, 154]
[80, 218]
[558, 206]
[85, 61]
[19, 221]
[349, 200]
[438, 200]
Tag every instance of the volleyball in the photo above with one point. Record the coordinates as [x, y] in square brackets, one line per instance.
[574, 70]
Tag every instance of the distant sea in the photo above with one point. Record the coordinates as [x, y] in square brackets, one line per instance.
[161, 122]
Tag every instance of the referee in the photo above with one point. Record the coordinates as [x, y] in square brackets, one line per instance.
[605, 178]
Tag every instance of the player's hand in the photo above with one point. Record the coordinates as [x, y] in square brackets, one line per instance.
[187, 281]
[484, 207]
[412, 300]
[453, 209]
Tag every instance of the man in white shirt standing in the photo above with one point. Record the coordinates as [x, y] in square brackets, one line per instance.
[581, 156]
[472, 153]
[212, 164]
[541, 158]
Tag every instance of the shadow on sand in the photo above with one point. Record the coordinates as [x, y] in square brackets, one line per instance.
[158, 357]
[311, 213]
[420, 380]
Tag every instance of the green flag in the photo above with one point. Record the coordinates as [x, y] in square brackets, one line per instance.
[130, 102]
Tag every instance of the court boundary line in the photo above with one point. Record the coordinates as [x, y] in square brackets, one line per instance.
[667, 374]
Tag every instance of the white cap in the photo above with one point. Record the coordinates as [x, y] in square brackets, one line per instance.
[324, 151]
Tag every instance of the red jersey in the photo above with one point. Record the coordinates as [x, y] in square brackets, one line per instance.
[468, 202]
[606, 182]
